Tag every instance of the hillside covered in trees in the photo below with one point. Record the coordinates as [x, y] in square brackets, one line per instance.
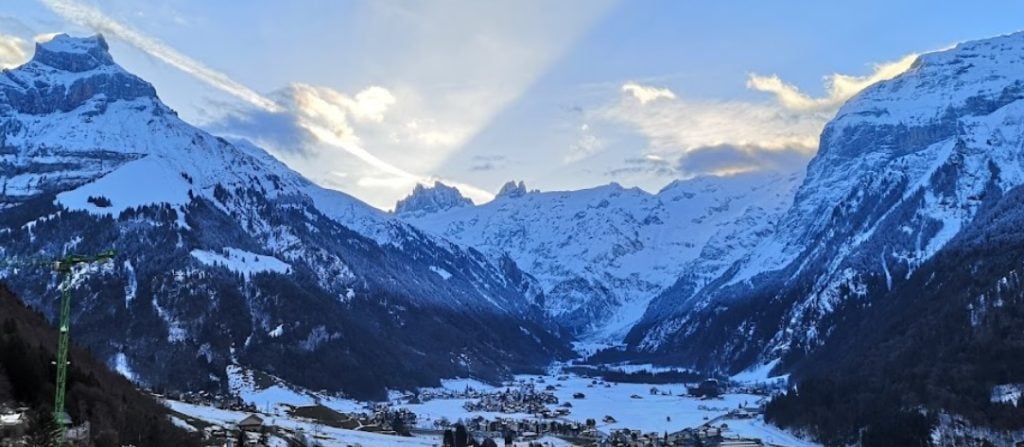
[941, 343]
[118, 413]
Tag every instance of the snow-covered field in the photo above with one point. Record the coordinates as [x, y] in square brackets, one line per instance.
[633, 406]
[770, 434]
[330, 437]
[646, 412]
[760, 374]
[270, 399]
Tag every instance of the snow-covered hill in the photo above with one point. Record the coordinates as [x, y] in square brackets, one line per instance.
[901, 169]
[227, 256]
[601, 254]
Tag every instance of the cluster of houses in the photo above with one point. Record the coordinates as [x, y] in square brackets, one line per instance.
[524, 399]
[253, 430]
[207, 399]
[250, 431]
[427, 395]
[703, 436]
[528, 429]
[13, 422]
[532, 397]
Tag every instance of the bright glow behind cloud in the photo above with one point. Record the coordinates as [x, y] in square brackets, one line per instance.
[839, 87]
[325, 113]
[12, 51]
[725, 137]
[679, 125]
[646, 94]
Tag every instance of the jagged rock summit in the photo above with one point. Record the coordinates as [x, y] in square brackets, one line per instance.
[439, 197]
[512, 190]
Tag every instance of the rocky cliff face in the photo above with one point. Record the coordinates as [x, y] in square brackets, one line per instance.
[423, 200]
[225, 256]
[903, 167]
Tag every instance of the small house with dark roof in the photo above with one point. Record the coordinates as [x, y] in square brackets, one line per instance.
[251, 422]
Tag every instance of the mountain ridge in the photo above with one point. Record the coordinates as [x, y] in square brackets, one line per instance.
[600, 254]
[902, 168]
[93, 160]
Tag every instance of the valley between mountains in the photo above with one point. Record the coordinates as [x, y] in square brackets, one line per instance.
[873, 296]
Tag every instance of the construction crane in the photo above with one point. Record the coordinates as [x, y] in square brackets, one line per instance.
[64, 267]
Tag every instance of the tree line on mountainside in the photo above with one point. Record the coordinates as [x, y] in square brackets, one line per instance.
[938, 342]
[117, 412]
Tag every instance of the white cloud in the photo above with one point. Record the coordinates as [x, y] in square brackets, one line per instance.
[12, 51]
[455, 68]
[459, 64]
[646, 94]
[371, 103]
[45, 37]
[838, 87]
[334, 111]
[680, 125]
[328, 115]
[791, 124]
[587, 144]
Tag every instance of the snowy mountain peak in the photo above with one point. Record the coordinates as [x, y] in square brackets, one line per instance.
[432, 199]
[68, 72]
[74, 54]
[93, 160]
[511, 189]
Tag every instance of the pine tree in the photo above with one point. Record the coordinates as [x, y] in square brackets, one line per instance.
[461, 436]
[6, 389]
[43, 431]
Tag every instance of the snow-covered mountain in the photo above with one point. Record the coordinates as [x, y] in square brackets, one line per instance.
[601, 254]
[225, 255]
[901, 169]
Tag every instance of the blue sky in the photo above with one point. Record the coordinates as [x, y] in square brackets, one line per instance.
[372, 97]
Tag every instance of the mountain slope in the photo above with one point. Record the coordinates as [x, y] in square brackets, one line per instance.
[948, 340]
[226, 256]
[601, 254]
[901, 170]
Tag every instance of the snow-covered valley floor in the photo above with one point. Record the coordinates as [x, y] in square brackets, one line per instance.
[614, 406]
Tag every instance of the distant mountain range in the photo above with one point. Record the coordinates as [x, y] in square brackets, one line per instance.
[888, 284]
[600, 255]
